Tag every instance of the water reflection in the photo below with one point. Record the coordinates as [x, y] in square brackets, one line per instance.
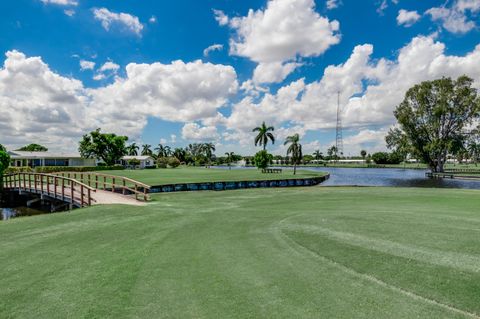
[7, 213]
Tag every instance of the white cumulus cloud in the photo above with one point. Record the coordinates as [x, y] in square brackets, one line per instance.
[86, 65]
[61, 2]
[213, 47]
[284, 31]
[407, 18]
[193, 131]
[125, 20]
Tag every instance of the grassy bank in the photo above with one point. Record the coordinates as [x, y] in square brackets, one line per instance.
[278, 253]
[185, 174]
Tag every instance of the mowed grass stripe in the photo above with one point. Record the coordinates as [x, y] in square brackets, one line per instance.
[459, 261]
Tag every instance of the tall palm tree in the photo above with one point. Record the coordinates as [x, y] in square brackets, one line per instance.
[208, 149]
[230, 156]
[146, 149]
[167, 151]
[264, 134]
[132, 149]
[295, 149]
[180, 154]
[318, 155]
[160, 150]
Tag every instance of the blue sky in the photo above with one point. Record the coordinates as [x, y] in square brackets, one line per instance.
[283, 63]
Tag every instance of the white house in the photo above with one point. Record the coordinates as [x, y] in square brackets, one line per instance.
[33, 159]
[145, 160]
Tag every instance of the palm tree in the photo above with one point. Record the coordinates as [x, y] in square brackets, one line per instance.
[167, 151]
[208, 149]
[264, 135]
[132, 149]
[295, 149]
[146, 149]
[318, 155]
[160, 150]
[229, 158]
[180, 154]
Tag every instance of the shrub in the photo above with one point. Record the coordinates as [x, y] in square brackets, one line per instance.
[262, 159]
[162, 162]
[386, 158]
[19, 169]
[173, 162]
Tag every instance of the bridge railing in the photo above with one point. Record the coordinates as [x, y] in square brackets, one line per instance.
[58, 187]
[112, 183]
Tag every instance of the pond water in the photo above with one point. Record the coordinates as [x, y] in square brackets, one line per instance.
[7, 213]
[393, 177]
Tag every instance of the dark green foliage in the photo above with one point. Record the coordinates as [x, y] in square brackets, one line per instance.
[4, 163]
[386, 158]
[295, 150]
[432, 119]
[105, 146]
[162, 162]
[33, 148]
[264, 135]
[262, 159]
[173, 162]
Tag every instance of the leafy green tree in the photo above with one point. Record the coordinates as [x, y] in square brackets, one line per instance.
[262, 159]
[264, 135]
[173, 162]
[147, 150]
[33, 148]
[134, 162]
[132, 149]
[4, 163]
[294, 149]
[433, 116]
[105, 146]
[474, 151]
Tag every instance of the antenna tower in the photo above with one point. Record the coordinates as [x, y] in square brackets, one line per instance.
[339, 135]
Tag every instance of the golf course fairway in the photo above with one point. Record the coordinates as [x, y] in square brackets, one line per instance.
[317, 252]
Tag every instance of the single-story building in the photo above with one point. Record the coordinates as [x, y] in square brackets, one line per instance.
[145, 160]
[33, 159]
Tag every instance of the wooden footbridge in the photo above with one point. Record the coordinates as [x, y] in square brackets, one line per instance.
[79, 189]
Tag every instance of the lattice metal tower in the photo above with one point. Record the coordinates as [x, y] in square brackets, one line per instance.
[339, 137]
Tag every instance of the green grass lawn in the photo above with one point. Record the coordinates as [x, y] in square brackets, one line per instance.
[313, 252]
[185, 174]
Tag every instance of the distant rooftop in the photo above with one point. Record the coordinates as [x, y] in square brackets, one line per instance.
[40, 155]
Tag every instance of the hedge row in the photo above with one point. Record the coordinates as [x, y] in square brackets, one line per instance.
[52, 169]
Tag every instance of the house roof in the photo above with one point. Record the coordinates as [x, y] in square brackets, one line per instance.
[139, 157]
[41, 155]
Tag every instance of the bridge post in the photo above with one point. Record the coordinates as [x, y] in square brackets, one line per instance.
[81, 196]
[96, 181]
[29, 181]
[89, 196]
[63, 189]
[123, 189]
[113, 184]
[136, 192]
[71, 192]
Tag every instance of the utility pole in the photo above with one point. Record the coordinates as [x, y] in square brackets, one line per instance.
[339, 134]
